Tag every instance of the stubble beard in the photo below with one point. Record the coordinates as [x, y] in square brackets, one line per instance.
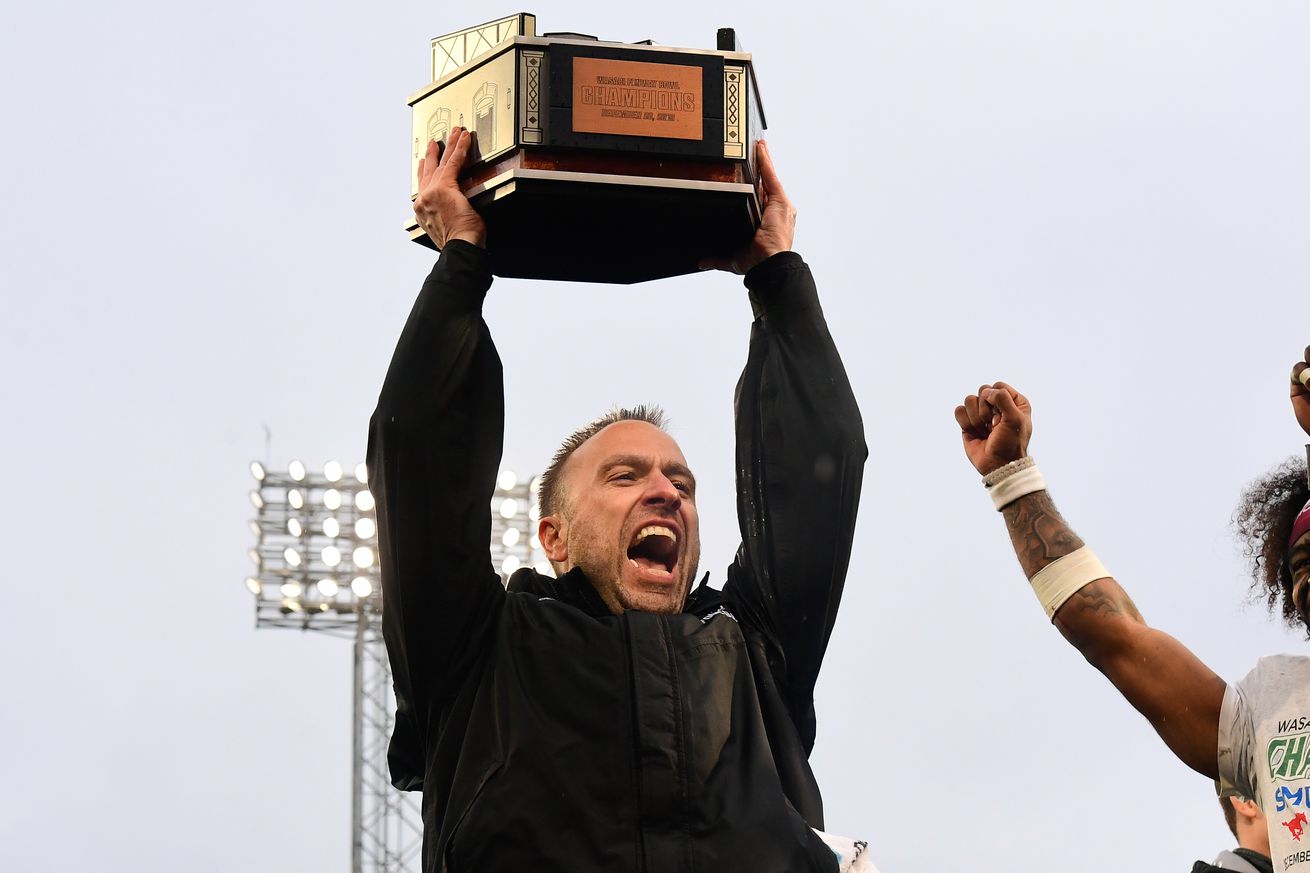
[605, 572]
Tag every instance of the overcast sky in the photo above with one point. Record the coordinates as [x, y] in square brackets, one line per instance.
[1104, 203]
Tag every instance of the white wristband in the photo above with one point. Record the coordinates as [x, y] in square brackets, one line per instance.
[1013, 481]
[1064, 577]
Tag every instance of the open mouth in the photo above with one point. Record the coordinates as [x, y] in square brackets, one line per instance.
[654, 549]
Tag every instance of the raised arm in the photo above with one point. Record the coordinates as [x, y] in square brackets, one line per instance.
[1161, 678]
[1301, 393]
[433, 451]
[800, 461]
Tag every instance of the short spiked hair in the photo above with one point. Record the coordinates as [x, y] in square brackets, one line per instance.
[549, 493]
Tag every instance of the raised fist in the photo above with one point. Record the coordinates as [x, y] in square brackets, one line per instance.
[995, 424]
[1300, 393]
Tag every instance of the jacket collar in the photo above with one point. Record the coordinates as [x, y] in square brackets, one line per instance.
[575, 589]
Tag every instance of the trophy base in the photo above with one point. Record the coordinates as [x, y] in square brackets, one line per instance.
[588, 227]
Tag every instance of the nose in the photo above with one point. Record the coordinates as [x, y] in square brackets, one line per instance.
[662, 492]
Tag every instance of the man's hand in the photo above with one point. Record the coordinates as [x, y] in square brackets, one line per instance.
[995, 424]
[1300, 394]
[441, 207]
[777, 221]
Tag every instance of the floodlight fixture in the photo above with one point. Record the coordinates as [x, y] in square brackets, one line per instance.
[306, 525]
[312, 532]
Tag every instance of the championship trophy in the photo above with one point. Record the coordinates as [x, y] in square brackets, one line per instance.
[596, 161]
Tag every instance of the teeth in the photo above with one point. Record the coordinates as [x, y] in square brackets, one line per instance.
[652, 569]
[655, 530]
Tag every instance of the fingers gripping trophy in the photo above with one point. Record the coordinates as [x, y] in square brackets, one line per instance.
[1252, 736]
[444, 213]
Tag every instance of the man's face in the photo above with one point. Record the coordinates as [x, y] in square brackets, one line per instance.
[628, 518]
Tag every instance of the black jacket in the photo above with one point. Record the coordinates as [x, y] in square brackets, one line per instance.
[550, 735]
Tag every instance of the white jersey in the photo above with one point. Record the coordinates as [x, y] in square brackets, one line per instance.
[1264, 752]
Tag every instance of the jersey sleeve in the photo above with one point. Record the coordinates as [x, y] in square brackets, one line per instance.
[1236, 745]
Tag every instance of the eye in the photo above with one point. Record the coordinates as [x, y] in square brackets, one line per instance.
[684, 487]
[626, 476]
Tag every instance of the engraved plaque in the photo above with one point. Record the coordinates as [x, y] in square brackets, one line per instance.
[637, 99]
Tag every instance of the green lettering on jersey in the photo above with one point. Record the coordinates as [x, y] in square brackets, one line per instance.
[1289, 757]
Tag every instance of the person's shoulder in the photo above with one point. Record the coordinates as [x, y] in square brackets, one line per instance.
[1279, 665]
[1273, 676]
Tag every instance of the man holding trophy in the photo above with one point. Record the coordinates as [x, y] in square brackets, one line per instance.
[612, 718]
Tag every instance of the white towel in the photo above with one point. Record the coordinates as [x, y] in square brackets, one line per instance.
[852, 855]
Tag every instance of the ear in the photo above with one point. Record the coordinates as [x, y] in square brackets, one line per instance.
[553, 532]
[1245, 808]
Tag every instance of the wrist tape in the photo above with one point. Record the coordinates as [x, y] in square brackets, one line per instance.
[1016, 479]
[1064, 577]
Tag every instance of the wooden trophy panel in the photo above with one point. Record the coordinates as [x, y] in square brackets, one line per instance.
[480, 101]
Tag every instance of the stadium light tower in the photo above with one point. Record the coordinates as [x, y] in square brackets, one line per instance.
[316, 569]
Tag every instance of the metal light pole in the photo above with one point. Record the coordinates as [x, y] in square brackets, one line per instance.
[316, 570]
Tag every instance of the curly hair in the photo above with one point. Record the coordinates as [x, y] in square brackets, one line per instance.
[1264, 519]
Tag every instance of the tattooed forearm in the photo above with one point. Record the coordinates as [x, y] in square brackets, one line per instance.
[1102, 598]
[1038, 532]
[1099, 620]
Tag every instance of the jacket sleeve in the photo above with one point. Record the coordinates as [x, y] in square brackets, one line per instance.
[434, 446]
[800, 461]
